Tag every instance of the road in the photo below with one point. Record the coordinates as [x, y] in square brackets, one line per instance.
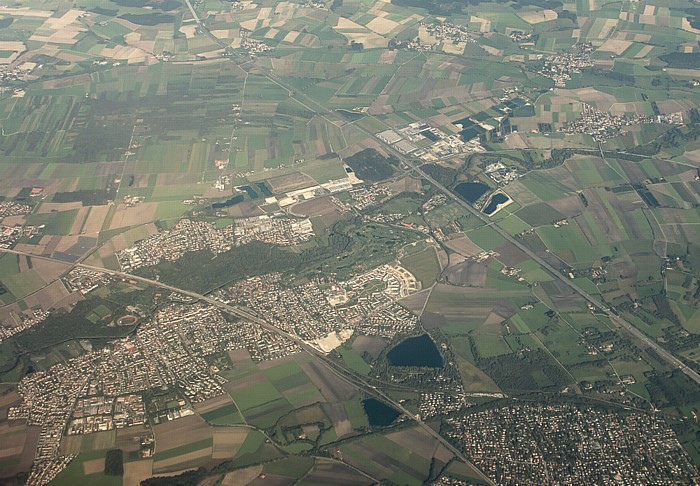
[331, 116]
[194, 14]
[335, 368]
[603, 308]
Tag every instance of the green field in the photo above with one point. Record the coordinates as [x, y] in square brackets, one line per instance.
[489, 345]
[256, 396]
[120, 118]
[424, 265]
[54, 223]
[227, 415]
[353, 360]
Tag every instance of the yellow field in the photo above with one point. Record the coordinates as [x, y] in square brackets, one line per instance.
[537, 16]
[616, 46]
[182, 459]
[227, 441]
[137, 471]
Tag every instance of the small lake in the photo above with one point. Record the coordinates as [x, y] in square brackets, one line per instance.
[379, 414]
[415, 351]
[471, 191]
[351, 115]
[229, 202]
[496, 199]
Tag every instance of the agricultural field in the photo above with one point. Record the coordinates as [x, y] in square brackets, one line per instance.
[403, 457]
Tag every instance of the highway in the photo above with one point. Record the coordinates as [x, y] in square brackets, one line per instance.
[336, 368]
[330, 116]
[194, 15]
[601, 307]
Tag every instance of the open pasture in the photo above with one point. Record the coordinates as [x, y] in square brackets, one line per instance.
[176, 435]
[463, 245]
[17, 446]
[219, 410]
[325, 471]
[424, 265]
[88, 467]
[277, 389]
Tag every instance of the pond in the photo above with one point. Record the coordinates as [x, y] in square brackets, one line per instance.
[415, 351]
[350, 115]
[471, 191]
[229, 202]
[495, 201]
[379, 414]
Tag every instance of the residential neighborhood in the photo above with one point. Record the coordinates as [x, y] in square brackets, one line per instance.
[530, 443]
[100, 390]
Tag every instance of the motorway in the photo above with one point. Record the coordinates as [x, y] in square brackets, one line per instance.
[337, 369]
[601, 307]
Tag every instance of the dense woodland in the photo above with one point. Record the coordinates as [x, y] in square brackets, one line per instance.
[369, 165]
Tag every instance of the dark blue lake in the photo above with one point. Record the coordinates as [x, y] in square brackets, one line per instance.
[351, 115]
[471, 191]
[379, 414]
[415, 351]
[229, 202]
[495, 201]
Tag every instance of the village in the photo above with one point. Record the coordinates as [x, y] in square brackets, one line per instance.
[27, 319]
[315, 309]
[434, 403]
[101, 390]
[561, 66]
[363, 197]
[602, 125]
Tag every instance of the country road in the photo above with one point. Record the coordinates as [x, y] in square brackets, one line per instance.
[602, 307]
